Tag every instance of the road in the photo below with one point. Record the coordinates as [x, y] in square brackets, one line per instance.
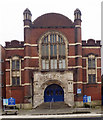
[98, 118]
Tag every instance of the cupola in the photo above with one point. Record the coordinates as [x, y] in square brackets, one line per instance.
[27, 14]
[77, 14]
[77, 17]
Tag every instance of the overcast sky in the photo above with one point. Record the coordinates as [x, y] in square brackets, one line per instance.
[11, 16]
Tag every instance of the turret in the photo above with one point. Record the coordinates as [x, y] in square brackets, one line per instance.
[27, 17]
[78, 52]
[77, 17]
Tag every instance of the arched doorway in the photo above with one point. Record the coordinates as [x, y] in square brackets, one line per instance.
[53, 93]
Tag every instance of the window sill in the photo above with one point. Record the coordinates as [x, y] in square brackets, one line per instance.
[91, 68]
[54, 70]
[16, 86]
[15, 70]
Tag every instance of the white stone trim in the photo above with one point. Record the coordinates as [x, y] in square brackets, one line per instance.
[32, 45]
[74, 56]
[28, 57]
[14, 48]
[98, 67]
[87, 57]
[99, 82]
[75, 67]
[77, 26]
[84, 57]
[22, 69]
[91, 47]
[25, 84]
[10, 71]
[79, 82]
[42, 80]
[84, 67]
[98, 57]
[73, 44]
[8, 85]
[26, 26]
[20, 84]
[7, 59]
[30, 68]
[87, 68]
[7, 70]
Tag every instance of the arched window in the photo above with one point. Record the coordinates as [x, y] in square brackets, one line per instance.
[91, 62]
[91, 69]
[15, 70]
[53, 52]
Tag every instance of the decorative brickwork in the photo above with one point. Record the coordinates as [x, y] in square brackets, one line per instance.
[71, 70]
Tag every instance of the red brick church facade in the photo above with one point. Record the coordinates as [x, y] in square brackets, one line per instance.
[53, 63]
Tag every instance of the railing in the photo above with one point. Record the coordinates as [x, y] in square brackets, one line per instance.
[51, 103]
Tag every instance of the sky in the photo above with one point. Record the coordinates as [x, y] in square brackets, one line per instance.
[11, 16]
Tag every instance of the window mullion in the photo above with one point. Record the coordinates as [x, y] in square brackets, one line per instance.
[14, 64]
[49, 50]
[57, 53]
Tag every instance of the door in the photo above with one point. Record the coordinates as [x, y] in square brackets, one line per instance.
[53, 93]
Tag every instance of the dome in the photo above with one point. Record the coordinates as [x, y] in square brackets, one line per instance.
[52, 19]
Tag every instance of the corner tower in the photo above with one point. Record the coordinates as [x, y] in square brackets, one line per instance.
[27, 76]
[27, 17]
[78, 54]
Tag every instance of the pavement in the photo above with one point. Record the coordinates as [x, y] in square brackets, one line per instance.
[58, 113]
[63, 111]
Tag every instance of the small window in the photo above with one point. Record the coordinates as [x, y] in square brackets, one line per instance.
[92, 78]
[91, 63]
[15, 81]
[15, 64]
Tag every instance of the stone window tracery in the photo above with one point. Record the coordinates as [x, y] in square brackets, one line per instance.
[53, 52]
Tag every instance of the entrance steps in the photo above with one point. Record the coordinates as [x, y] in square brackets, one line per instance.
[53, 105]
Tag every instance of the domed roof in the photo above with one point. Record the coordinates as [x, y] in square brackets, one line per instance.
[52, 19]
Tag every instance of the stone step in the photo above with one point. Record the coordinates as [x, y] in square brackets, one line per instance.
[53, 105]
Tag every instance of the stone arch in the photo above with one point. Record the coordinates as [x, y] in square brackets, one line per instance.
[49, 82]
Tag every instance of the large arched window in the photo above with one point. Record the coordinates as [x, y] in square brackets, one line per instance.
[53, 50]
